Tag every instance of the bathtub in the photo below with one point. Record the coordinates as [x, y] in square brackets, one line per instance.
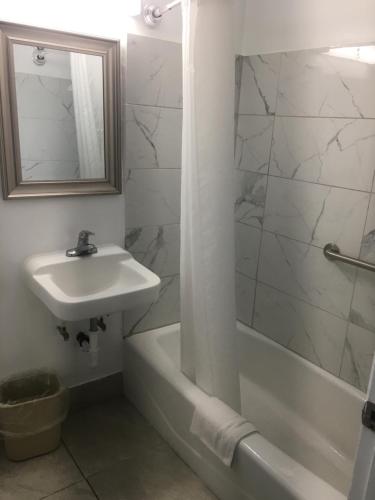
[308, 420]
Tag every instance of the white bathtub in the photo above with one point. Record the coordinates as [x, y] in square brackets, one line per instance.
[308, 420]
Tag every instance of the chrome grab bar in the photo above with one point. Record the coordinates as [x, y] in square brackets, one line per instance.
[332, 252]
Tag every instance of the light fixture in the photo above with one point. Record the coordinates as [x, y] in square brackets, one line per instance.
[364, 54]
[133, 7]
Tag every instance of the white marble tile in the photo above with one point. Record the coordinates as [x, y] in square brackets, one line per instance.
[153, 137]
[247, 249]
[302, 271]
[316, 214]
[154, 72]
[358, 356]
[314, 334]
[333, 151]
[259, 84]
[44, 97]
[152, 197]
[253, 143]
[49, 170]
[250, 197]
[165, 311]
[156, 247]
[48, 139]
[245, 289]
[363, 306]
[315, 84]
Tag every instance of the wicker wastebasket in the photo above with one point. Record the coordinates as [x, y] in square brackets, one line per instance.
[32, 408]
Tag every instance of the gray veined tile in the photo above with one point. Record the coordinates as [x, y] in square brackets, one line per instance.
[363, 305]
[165, 311]
[253, 143]
[103, 434]
[313, 83]
[156, 247]
[247, 249]
[245, 290]
[158, 475]
[316, 214]
[154, 72]
[153, 137]
[79, 491]
[358, 356]
[259, 84]
[250, 197]
[152, 197]
[301, 270]
[333, 151]
[314, 334]
[37, 478]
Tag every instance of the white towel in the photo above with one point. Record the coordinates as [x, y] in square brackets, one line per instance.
[220, 428]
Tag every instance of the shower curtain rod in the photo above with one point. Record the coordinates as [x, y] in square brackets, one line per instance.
[153, 14]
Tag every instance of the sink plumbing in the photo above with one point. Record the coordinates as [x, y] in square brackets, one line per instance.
[88, 342]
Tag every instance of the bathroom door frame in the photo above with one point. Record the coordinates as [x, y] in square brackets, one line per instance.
[363, 484]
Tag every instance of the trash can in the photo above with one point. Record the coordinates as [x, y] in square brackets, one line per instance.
[32, 408]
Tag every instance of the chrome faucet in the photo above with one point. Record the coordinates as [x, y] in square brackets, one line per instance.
[83, 247]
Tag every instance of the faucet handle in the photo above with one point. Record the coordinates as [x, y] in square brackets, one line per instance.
[83, 237]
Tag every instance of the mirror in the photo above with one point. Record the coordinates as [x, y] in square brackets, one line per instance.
[60, 132]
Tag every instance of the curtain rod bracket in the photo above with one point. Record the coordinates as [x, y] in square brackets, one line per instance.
[152, 14]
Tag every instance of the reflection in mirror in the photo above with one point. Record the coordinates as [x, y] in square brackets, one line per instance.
[60, 114]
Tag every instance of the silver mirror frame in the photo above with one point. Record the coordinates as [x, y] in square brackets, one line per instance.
[10, 159]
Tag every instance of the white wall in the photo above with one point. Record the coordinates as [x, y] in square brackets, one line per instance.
[275, 25]
[28, 337]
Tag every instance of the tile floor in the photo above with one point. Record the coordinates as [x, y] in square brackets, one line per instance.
[109, 452]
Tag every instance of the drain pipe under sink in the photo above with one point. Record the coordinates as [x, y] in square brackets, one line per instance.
[93, 333]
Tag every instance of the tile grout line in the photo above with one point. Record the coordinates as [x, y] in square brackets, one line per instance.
[79, 468]
[265, 199]
[62, 489]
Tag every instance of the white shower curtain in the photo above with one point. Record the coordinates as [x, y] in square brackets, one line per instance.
[87, 86]
[207, 219]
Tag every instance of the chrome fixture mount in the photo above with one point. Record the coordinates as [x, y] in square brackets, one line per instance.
[332, 252]
[152, 14]
[39, 56]
[84, 247]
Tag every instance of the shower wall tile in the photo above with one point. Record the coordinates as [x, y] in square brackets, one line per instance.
[247, 249]
[333, 151]
[259, 84]
[152, 197]
[152, 161]
[50, 169]
[153, 137]
[358, 356]
[363, 305]
[316, 214]
[250, 198]
[313, 83]
[165, 311]
[44, 97]
[156, 247]
[245, 290]
[302, 271]
[253, 141]
[154, 72]
[314, 334]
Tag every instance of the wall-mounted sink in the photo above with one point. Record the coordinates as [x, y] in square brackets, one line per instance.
[86, 287]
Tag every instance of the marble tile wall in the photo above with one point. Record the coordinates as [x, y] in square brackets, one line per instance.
[153, 171]
[305, 160]
[47, 128]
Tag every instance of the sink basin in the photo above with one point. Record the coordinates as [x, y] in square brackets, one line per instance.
[76, 288]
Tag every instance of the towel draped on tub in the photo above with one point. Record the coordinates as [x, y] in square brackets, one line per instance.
[220, 428]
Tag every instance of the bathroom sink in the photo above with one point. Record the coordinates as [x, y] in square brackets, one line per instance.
[76, 288]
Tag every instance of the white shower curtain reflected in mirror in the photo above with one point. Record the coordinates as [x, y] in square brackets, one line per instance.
[87, 87]
[208, 319]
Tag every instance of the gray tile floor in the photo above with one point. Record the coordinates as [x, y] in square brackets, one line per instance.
[109, 452]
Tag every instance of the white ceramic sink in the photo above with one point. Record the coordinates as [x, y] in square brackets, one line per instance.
[76, 288]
